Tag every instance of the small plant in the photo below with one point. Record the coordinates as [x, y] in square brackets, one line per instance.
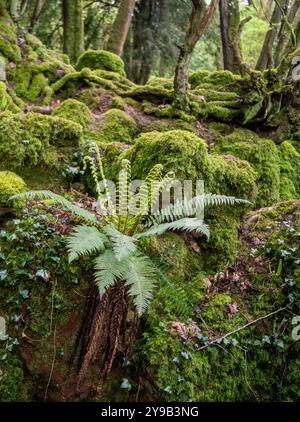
[115, 239]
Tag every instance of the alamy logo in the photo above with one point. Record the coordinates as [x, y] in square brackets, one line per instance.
[2, 70]
[296, 330]
[296, 68]
[2, 329]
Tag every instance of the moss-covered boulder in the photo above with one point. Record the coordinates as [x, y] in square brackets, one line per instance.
[31, 139]
[101, 59]
[177, 150]
[114, 126]
[74, 110]
[262, 154]
[10, 184]
[6, 101]
[289, 171]
[8, 39]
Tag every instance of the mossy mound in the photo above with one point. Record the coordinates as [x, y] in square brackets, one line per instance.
[12, 378]
[289, 171]
[115, 126]
[8, 39]
[10, 184]
[219, 79]
[32, 139]
[6, 101]
[74, 110]
[101, 59]
[262, 154]
[177, 150]
[187, 351]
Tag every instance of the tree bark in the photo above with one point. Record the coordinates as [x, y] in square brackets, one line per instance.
[73, 42]
[284, 34]
[230, 34]
[199, 20]
[120, 27]
[37, 11]
[265, 60]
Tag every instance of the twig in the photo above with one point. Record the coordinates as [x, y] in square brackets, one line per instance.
[52, 366]
[219, 339]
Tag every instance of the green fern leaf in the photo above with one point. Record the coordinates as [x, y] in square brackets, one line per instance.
[108, 270]
[122, 245]
[84, 240]
[60, 200]
[185, 224]
[140, 277]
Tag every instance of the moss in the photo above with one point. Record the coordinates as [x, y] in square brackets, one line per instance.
[12, 386]
[179, 151]
[101, 59]
[91, 97]
[289, 171]
[262, 154]
[115, 126]
[6, 101]
[35, 139]
[8, 40]
[197, 78]
[74, 110]
[10, 184]
[118, 102]
[220, 111]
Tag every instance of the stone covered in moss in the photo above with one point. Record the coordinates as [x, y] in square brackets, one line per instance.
[31, 139]
[262, 154]
[101, 59]
[179, 151]
[74, 110]
[6, 101]
[115, 126]
[220, 78]
[8, 39]
[289, 171]
[10, 184]
[12, 379]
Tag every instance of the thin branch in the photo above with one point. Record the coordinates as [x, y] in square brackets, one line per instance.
[219, 339]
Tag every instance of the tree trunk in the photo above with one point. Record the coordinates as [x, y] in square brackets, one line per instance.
[37, 11]
[120, 27]
[199, 20]
[285, 32]
[73, 42]
[230, 27]
[265, 60]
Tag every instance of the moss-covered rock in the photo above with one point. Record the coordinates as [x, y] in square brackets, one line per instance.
[179, 151]
[262, 154]
[10, 184]
[289, 171]
[8, 39]
[74, 110]
[115, 126]
[101, 59]
[6, 101]
[12, 379]
[31, 139]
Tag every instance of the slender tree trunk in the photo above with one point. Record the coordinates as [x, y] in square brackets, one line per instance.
[266, 56]
[200, 19]
[73, 42]
[230, 27]
[37, 11]
[285, 32]
[120, 27]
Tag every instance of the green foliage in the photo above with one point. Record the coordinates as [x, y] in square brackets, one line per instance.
[74, 110]
[262, 154]
[12, 388]
[10, 184]
[31, 139]
[100, 59]
[115, 126]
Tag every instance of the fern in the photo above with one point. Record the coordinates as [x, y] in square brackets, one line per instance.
[83, 214]
[187, 208]
[84, 240]
[139, 276]
[122, 245]
[185, 224]
[107, 271]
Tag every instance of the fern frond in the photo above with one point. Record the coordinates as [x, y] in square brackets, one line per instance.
[188, 208]
[84, 240]
[60, 200]
[140, 277]
[108, 270]
[186, 224]
[122, 245]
